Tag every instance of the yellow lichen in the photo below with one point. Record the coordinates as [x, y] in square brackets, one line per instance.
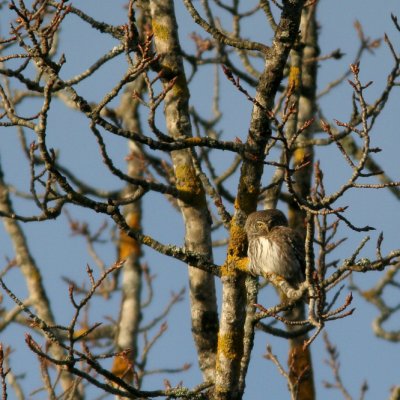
[236, 256]
[193, 140]
[228, 345]
[128, 245]
[369, 294]
[300, 155]
[186, 178]
[147, 240]
[294, 77]
[80, 332]
[122, 368]
[236, 247]
[233, 264]
[160, 31]
[242, 264]
[221, 390]
[180, 87]
[188, 184]
[227, 269]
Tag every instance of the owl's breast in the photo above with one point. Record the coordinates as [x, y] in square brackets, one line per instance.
[268, 256]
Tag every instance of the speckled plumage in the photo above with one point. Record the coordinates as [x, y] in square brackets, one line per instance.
[274, 247]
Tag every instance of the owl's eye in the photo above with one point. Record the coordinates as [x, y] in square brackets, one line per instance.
[260, 224]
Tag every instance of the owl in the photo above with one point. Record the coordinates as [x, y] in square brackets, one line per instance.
[274, 247]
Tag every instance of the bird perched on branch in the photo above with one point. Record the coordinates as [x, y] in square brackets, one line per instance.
[274, 248]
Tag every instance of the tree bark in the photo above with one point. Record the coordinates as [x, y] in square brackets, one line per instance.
[192, 201]
[130, 249]
[299, 362]
[236, 302]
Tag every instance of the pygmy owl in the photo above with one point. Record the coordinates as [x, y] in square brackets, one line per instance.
[274, 247]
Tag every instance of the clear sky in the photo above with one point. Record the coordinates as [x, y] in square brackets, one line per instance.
[363, 357]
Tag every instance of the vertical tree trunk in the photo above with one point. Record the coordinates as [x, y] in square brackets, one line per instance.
[129, 249]
[300, 359]
[232, 344]
[193, 201]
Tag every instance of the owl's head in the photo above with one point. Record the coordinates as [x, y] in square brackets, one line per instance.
[260, 223]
